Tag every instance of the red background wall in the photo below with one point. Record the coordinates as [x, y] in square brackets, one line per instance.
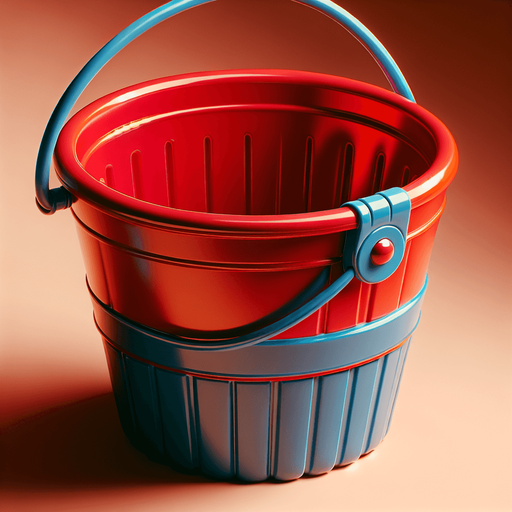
[449, 446]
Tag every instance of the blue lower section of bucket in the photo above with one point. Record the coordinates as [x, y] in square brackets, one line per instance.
[281, 425]
[256, 430]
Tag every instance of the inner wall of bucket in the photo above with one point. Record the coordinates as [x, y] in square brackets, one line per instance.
[262, 149]
[242, 145]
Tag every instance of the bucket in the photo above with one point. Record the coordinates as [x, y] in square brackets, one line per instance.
[256, 245]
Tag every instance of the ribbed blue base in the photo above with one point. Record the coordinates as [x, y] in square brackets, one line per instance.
[256, 430]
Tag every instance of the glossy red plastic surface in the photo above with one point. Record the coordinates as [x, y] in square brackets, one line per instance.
[206, 202]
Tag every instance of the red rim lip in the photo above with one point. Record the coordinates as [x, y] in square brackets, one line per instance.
[76, 179]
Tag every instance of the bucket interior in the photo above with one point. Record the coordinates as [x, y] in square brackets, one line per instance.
[249, 144]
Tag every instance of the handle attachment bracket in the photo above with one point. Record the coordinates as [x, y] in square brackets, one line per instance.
[382, 216]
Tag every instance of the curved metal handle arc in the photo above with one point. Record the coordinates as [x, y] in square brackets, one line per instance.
[49, 201]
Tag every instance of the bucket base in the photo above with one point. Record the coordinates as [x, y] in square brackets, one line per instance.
[254, 430]
[165, 460]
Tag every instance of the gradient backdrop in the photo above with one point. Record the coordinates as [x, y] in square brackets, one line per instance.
[449, 446]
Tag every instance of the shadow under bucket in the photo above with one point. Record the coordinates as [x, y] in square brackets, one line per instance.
[254, 327]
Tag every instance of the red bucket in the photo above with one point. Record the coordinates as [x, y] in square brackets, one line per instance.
[207, 202]
[221, 224]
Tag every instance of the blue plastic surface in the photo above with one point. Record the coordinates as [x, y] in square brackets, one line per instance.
[50, 201]
[258, 429]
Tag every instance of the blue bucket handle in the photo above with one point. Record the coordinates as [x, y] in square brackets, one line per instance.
[385, 214]
[49, 201]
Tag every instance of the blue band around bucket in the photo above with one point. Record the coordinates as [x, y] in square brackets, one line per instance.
[322, 353]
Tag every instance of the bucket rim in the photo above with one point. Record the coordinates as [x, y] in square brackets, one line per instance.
[84, 187]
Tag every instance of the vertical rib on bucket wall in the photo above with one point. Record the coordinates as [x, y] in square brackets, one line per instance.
[169, 171]
[356, 414]
[403, 356]
[178, 418]
[418, 258]
[331, 395]
[381, 406]
[145, 403]
[256, 430]
[118, 377]
[292, 428]
[214, 411]
[253, 431]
